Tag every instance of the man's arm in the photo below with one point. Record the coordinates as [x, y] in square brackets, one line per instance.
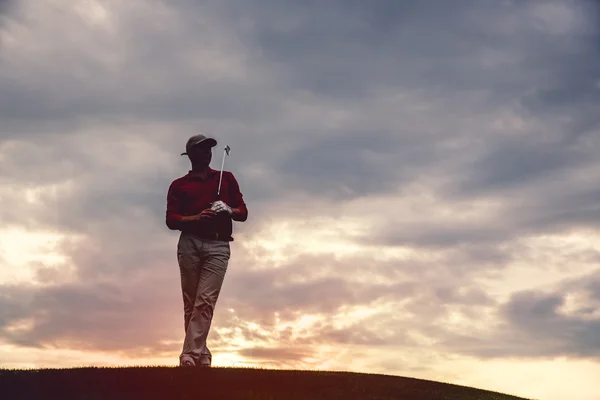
[237, 207]
[239, 213]
[204, 216]
[173, 215]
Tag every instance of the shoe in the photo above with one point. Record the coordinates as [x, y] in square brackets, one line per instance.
[187, 364]
[204, 362]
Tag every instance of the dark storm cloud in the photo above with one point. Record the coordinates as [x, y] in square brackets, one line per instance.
[342, 169]
[345, 49]
[517, 163]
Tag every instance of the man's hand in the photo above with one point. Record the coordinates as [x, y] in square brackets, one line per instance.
[220, 206]
[206, 214]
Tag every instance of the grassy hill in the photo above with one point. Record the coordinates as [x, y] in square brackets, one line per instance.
[150, 383]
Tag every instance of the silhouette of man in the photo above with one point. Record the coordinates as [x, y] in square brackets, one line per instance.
[203, 250]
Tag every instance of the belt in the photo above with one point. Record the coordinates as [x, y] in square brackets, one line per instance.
[214, 236]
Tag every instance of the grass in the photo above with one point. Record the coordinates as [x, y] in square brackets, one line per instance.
[150, 383]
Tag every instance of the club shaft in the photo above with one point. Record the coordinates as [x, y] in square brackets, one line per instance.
[221, 175]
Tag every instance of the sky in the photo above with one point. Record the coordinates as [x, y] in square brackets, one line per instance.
[422, 182]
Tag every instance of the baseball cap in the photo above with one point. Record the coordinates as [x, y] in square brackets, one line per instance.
[197, 139]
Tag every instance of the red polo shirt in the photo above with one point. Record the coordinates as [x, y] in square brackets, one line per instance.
[190, 194]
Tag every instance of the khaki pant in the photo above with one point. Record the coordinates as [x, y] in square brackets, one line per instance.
[202, 264]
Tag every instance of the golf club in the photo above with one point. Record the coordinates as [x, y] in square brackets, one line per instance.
[226, 152]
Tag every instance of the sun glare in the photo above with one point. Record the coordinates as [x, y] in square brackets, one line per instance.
[23, 253]
[284, 240]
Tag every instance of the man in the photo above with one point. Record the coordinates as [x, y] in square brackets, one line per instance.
[203, 250]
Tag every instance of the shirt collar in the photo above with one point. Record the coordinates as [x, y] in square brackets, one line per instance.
[211, 173]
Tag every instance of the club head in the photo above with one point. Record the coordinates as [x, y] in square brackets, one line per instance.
[227, 149]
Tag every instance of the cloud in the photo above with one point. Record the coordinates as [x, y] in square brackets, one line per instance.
[420, 175]
[5, 8]
[561, 321]
[85, 317]
[257, 305]
[565, 322]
